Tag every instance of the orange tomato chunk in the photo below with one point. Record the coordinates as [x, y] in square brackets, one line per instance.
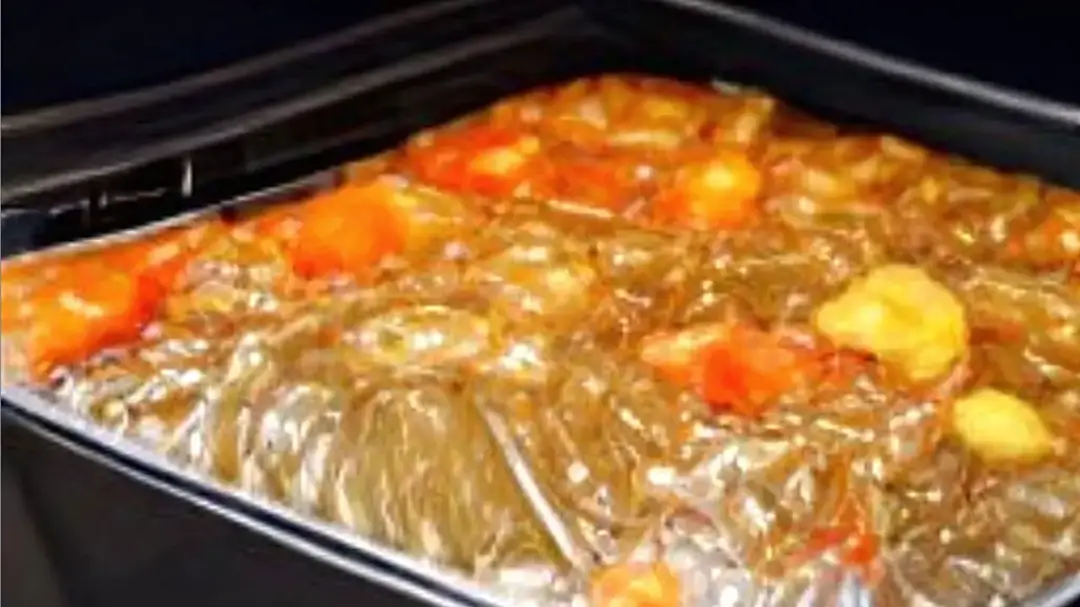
[348, 231]
[636, 585]
[720, 193]
[279, 225]
[159, 262]
[676, 355]
[734, 366]
[482, 159]
[750, 368]
[67, 310]
[91, 307]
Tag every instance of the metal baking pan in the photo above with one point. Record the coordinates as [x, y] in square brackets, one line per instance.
[73, 176]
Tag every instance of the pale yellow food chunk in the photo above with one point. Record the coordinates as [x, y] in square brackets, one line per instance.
[902, 316]
[1001, 428]
[636, 585]
[505, 160]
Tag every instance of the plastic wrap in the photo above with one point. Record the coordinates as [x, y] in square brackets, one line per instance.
[481, 397]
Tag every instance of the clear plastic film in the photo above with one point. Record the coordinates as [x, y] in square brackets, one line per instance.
[482, 399]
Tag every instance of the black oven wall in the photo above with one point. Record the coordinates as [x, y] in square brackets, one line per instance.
[79, 50]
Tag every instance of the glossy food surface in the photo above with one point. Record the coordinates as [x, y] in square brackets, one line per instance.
[626, 342]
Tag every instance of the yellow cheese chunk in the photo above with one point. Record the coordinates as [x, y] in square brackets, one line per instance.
[902, 316]
[1001, 428]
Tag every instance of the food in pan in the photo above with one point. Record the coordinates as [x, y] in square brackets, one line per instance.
[624, 341]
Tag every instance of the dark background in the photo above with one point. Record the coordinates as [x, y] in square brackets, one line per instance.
[64, 50]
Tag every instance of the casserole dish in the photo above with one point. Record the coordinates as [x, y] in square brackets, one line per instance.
[610, 54]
